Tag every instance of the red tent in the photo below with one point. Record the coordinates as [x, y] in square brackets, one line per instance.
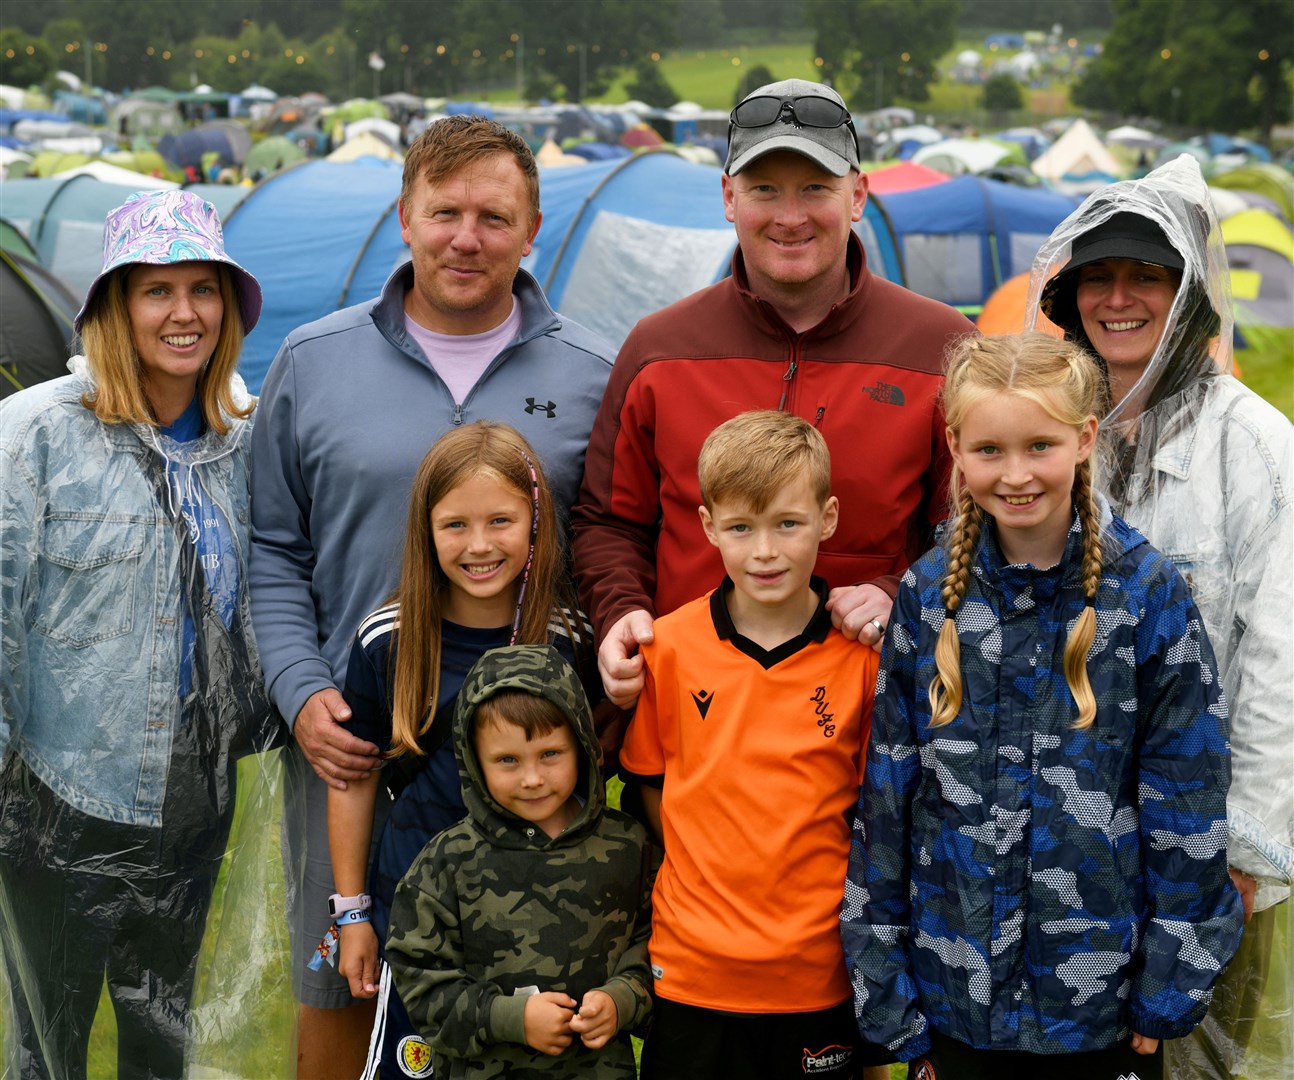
[903, 176]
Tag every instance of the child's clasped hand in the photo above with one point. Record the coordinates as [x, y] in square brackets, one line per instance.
[552, 1021]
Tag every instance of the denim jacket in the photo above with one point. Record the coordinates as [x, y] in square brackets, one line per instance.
[91, 598]
[1218, 500]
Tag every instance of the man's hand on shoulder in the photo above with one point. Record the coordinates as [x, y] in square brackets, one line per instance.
[334, 753]
[861, 613]
[619, 661]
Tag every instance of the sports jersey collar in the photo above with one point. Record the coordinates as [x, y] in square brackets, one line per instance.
[814, 632]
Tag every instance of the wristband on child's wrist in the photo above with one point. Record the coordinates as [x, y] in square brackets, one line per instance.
[355, 915]
[338, 905]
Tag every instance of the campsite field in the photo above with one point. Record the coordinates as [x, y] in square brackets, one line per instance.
[710, 78]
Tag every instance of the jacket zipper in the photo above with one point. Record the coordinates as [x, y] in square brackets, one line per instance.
[788, 376]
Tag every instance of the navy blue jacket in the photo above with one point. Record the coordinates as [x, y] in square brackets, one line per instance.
[1018, 884]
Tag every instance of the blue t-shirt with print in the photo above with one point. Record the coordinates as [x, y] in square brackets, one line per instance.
[209, 532]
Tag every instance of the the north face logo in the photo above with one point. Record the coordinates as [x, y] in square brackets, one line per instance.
[703, 699]
[885, 393]
[548, 408]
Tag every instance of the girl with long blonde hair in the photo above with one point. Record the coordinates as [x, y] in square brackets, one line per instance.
[482, 567]
[1043, 822]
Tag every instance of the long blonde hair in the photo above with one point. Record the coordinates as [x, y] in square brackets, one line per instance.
[1064, 380]
[118, 396]
[476, 449]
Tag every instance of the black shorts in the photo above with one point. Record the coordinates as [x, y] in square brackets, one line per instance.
[951, 1059]
[689, 1042]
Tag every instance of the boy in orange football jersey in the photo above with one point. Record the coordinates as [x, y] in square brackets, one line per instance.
[749, 742]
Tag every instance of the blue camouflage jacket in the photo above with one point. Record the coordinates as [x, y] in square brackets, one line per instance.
[1016, 883]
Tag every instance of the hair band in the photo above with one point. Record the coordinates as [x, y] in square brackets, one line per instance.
[530, 555]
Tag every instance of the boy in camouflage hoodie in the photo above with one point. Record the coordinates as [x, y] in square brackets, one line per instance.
[518, 938]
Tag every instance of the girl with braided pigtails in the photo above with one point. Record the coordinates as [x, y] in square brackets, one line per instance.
[1039, 873]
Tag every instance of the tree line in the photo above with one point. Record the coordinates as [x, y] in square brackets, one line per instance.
[569, 49]
[1198, 63]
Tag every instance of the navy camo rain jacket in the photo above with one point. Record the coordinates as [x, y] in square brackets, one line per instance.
[1015, 883]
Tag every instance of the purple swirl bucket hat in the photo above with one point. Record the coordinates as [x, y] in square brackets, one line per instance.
[164, 227]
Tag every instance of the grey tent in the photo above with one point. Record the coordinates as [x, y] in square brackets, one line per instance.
[35, 324]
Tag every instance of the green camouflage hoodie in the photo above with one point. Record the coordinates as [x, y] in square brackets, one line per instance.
[492, 905]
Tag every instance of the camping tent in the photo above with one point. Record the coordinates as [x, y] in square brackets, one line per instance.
[63, 219]
[1264, 179]
[35, 323]
[1260, 251]
[1004, 310]
[958, 156]
[619, 238]
[115, 174]
[960, 240]
[270, 155]
[903, 176]
[1077, 153]
[365, 145]
[146, 116]
[306, 270]
[227, 139]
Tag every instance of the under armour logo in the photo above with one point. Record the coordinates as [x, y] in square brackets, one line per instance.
[885, 393]
[703, 699]
[549, 409]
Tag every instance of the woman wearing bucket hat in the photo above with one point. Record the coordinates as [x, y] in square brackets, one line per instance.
[1204, 468]
[130, 681]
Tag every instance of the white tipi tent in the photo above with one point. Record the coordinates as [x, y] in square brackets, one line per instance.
[1076, 153]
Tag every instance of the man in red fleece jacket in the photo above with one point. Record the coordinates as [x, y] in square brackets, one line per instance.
[801, 325]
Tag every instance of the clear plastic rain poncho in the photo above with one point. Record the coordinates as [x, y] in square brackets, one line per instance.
[1197, 340]
[1204, 469]
[139, 830]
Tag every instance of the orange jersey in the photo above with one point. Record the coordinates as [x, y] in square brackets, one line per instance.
[762, 756]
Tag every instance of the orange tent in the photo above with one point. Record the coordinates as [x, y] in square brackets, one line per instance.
[1004, 311]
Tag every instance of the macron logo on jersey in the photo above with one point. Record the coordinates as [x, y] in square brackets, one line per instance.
[548, 408]
[703, 699]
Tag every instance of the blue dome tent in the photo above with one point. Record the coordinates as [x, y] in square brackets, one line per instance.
[619, 239]
[961, 239]
[318, 236]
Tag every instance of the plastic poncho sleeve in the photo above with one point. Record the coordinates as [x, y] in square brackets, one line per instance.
[876, 917]
[18, 511]
[1183, 769]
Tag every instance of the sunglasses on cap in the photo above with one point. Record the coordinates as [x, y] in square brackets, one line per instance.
[806, 110]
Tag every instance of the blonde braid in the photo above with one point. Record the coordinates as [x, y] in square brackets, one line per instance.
[1084, 632]
[946, 687]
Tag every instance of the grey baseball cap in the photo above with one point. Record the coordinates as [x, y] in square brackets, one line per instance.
[834, 148]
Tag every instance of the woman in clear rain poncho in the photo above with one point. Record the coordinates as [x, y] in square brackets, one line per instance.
[1205, 469]
[130, 682]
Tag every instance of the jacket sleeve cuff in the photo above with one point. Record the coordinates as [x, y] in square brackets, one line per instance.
[508, 1019]
[912, 1048]
[889, 584]
[626, 1001]
[1252, 848]
[295, 684]
[1158, 1027]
